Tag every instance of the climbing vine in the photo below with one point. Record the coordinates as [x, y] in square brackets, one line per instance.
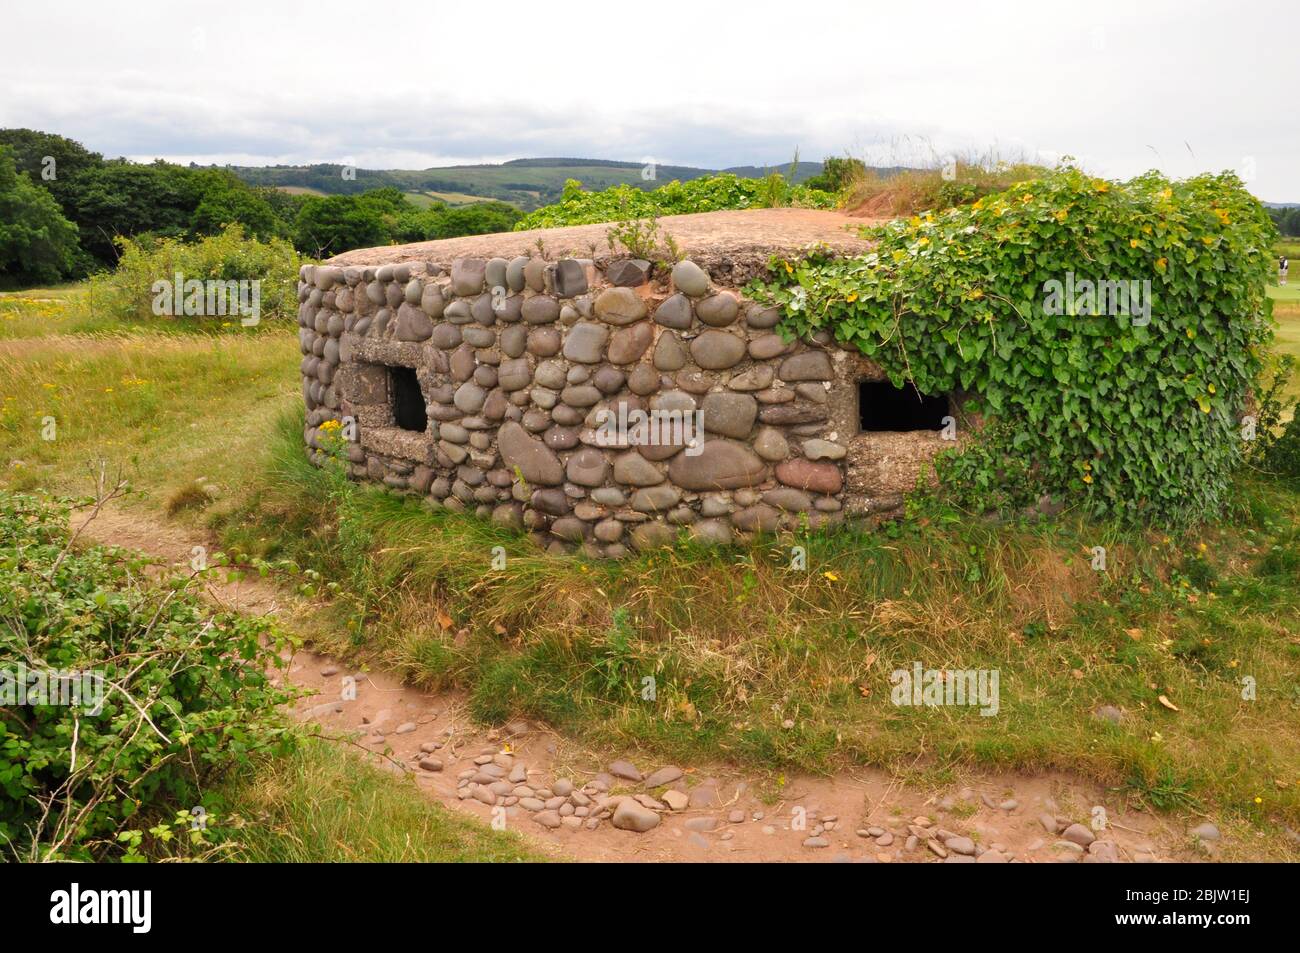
[1111, 333]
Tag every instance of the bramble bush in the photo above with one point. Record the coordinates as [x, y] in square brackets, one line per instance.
[126, 293]
[710, 193]
[1093, 405]
[186, 698]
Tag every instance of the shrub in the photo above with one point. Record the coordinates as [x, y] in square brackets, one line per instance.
[128, 293]
[708, 193]
[448, 221]
[185, 697]
[1133, 419]
[1283, 456]
[885, 194]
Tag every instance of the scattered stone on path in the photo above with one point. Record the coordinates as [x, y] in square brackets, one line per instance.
[405, 728]
[631, 816]
[736, 817]
[1103, 852]
[1205, 832]
[430, 764]
[549, 819]
[665, 775]
[1078, 834]
[676, 800]
[625, 770]
[701, 823]
[1049, 823]
[960, 845]
[562, 787]
[704, 797]
[936, 848]
[816, 842]
[329, 670]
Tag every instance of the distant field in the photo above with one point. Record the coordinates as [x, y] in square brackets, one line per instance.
[426, 199]
[298, 190]
[527, 183]
[458, 198]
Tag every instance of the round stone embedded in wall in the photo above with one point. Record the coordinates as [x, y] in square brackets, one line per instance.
[807, 475]
[689, 278]
[479, 336]
[609, 380]
[632, 469]
[761, 318]
[629, 344]
[770, 444]
[535, 274]
[469, 397]
[581, 395]
[550, 374]
[515, 374]
[514, 339]
[468, 275]
[540, 309]
[808, 366]
[586, 342]
[674, 312]
[729, 415]
[515, 273]
[619, 306]
[718, 350]
[669, 353]
[445, 336]
[718, 310]
[587, 467]
[494, 273]
[643, 380]
[767, 346]
[537, 462]
[544, 342]
[823, 450]
[720, 465]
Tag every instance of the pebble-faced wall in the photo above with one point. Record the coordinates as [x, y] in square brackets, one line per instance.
[516, 359]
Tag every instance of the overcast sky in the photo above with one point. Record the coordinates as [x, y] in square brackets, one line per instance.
[1123, 86]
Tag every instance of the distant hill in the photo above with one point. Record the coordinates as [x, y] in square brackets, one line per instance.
[527, 183]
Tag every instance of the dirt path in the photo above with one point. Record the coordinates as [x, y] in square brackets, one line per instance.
[528, 778]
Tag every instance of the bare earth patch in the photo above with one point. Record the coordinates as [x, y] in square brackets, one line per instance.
[706, 812]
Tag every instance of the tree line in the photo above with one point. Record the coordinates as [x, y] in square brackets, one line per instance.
[63, 208]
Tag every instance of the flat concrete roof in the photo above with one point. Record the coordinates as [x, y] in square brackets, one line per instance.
[742, 237]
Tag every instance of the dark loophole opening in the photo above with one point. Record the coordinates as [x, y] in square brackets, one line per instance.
[408, 401]
[882, 406]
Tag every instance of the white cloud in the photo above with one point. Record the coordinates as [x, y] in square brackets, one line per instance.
[1124, 86]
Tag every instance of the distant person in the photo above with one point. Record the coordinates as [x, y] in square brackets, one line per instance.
[1282, 265]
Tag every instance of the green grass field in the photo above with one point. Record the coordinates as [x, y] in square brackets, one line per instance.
[568, 641]
[322, 805]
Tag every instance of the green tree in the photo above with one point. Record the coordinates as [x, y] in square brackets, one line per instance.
[329, 225]
[37, 244]
[225, 200]
[127, 198]
[33, 149]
